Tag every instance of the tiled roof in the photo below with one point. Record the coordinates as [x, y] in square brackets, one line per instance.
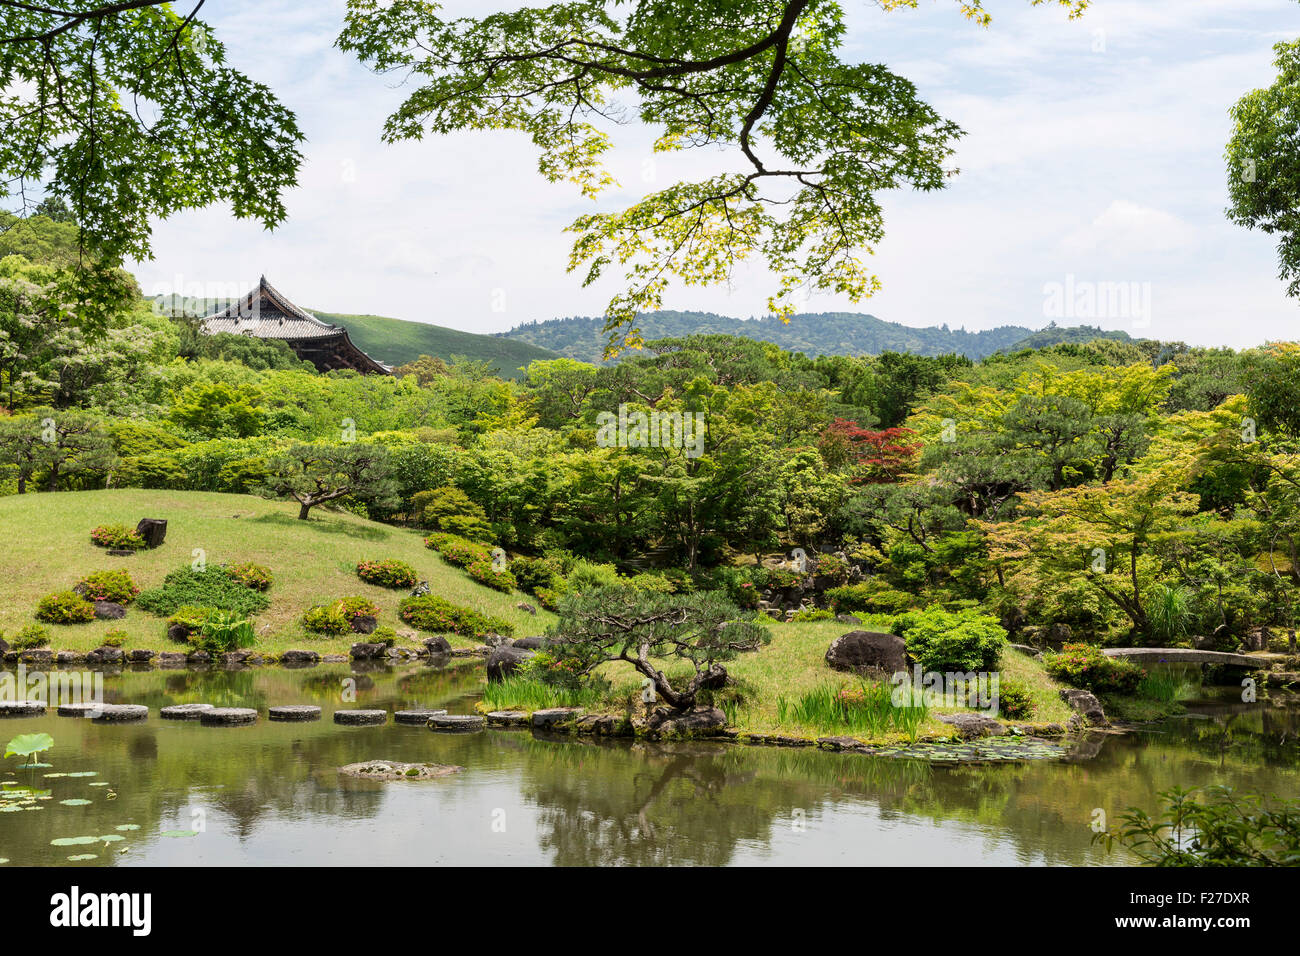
[266, 314]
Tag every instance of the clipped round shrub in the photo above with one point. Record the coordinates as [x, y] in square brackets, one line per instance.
[813, 614]
[389, 573]
[431, 613]
[326, 619]
[457, 550]
[1085, 666]
[115, 638]
[942, 641]
[534, 573]
[65, 607]
[115, 586]
[1014, 700]
[190, 617]
[354, 607]
[33, 635]
[254, 576]
[117, 536]
[485, 573]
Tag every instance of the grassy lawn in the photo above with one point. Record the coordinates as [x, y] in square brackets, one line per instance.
[47, 548]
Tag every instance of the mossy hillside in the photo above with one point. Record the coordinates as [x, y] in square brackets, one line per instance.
[47, 548]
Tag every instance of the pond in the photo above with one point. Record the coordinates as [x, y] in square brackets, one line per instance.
[174, 793]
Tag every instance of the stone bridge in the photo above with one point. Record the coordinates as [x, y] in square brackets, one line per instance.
[1186, 655]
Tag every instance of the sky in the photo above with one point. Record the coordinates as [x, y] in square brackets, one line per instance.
[1092, 187]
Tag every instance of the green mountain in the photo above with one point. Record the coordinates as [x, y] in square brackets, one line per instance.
[827, 333]
[397, 341]
[1058, 335]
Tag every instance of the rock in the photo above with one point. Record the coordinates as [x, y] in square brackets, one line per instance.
[184, 711]
[39, 656]
[228, 716]
[697, 722]
[421, 589]
[109, 611]
[456, 722]
[603, 725]
[178, 633]
[70, 657]
[171, 659]
[847, 619]
[1255, 640]
[121, 552]
[364, 624]
[859, 651]
[504, 661]
[395, 770]
[233, 659]
[198, 657]
[153, 530]
[367, 652]
[840, 743]
[507, 718]
[415, 717]
[495, 640]
[1085, 704]
[554, 716]
[1205, 642]
[973, 725]
[4, 646]
[21, 708]
[356, 718]
[437, 645]
[526, 608]
[120, 713]
[1058, 634]
[530, 643]
[79, 710]
[296, 658]
[1025, 649]
[140, 656]
[294, 712]
[105, 655]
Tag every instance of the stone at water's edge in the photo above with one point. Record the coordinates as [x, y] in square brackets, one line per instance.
[551, 716]
[296, 658]
[504, 660]
[456, 722]
[530, 643]
[973, 725]
[415, 717]
[105, 655]
[171, 659]
[120, 713]
[699, 722]
[153, 530]
[368, 652]
[867, 650]
[70, 657]
[508, 718]
[140, 656]
[396, 770]
[294, 712]
[184, 711]
[21, 708]
[437, 645]
[1085, 703]
[78, 710]
[227, 716]
[354, 718]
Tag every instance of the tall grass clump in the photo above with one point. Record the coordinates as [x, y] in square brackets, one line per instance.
[1170, 684]
[866, 709]
[528, 693]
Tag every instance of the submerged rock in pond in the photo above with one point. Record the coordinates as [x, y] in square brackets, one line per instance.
[294, 712]
[437, 645]
[417, 717]
[456, 722]
[120, 713]
[396, 770]
[185, 711]
[227, 716]
[354, 718]
[21, 708]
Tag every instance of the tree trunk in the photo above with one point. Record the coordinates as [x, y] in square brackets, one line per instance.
[303, 509]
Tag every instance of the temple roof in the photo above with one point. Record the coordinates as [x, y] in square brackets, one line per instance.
[265, 313]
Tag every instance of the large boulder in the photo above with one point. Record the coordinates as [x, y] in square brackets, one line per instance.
[530, 643]
[109, 611]
[297, 658]
[364, 624]
[971, 724]
[698, 722]
[1087, 705]
[105, 655]
[504, 661]
[368, 652]
[860, 651]
[437, 645]
[153, 530]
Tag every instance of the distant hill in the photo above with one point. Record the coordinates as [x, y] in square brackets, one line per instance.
[397, 341]
[1058, 335]
[827, 333]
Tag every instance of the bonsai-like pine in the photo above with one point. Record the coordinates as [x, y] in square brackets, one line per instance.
[315, 474]
[653, 631]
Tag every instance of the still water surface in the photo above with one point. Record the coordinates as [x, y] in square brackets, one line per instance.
[180, 794]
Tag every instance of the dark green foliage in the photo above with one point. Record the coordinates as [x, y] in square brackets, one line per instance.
[29, 637]
[212, 587]
[947, 641]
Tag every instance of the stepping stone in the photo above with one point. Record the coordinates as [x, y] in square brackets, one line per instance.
[358, 717]
[507, 718]
[79, 710]
[227, 716]
[294, 712]
[551, 716]
[120, 713]
[185, 711]
[419, 717]
[456, 722]
[21, 708]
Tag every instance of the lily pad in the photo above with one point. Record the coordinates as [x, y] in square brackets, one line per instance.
[74, 841]
[179, 833]
[112, 838]
[127, 826]
[24, 745]
[78, 857]
[75, 802]
[85, 773]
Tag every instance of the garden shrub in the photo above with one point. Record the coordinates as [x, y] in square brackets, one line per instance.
[65, 607]
[590, 575]
[484, 572]
[549, 598]
[389, 573]
[355, 607]
[833, 568]
[1014, 699]
[653, 581]
[450, 510]
[533, 573]
[813, 614]
[212, 587]
[115, 586]
[337, 617]
[431, 613]
[117, 536]
[872, 597]
[250, 575]
[1085, 666]
[33, 635]
[945, 641]
[190, 617]
[221, 632]
[384, 635]
[457, 550]
[115, 638]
